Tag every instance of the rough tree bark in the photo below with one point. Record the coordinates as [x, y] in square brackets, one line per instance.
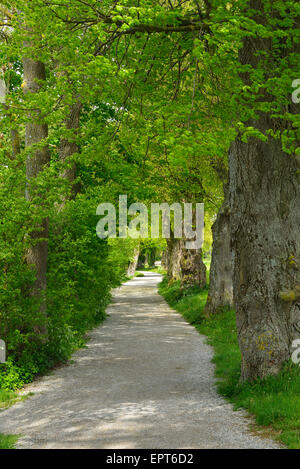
[193, 269]
[265, 233]
[36, 132]
[134, 262]
[173, 258]
[220, 294]
[264, 205]
[185, 264]
[164, 260]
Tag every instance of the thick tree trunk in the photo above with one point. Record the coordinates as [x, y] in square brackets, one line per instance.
[264, 211]
[134, 262]
[69, 147]
[185, 264]
[220, 294]
[265, 232]
[193, 269]
[173, 258]
[36, 132]
[164, 260]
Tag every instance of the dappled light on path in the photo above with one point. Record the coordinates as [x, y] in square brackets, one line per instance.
[144, 381]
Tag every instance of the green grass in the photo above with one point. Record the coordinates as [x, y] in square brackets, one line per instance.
[207, 262]
[158, 269]
[7, 398]
[8, 441]
[274, 401]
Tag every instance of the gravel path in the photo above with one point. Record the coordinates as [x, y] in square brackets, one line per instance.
[144, 381]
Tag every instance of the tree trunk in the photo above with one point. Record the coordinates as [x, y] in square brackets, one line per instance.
[264, 211]
[133, 264]
[220, 294]
[36, 132]
[164, 260]
[265, 232]
[173, 256]
[69, 147]
[192, 267]
[264, 204]
[185, 264]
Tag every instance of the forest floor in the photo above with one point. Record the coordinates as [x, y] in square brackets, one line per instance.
[145, 380]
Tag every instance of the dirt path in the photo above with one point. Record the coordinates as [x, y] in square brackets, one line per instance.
[145, 381]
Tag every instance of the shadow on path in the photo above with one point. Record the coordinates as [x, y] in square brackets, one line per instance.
[144, 381]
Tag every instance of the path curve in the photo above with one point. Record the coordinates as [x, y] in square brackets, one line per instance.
[144, 381]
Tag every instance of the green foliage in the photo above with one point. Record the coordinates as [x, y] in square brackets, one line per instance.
[273, 401]
[82, 269]
[164, 93]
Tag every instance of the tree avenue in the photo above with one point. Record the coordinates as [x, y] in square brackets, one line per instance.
[179, 101]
